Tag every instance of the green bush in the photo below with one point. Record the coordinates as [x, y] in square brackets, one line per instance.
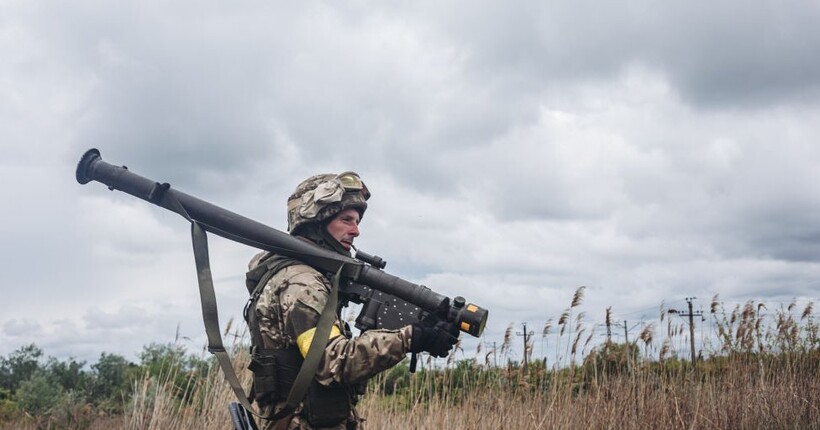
[110, 384]
[37, 395]
[19, 366]
[8, 407]
[70, 375]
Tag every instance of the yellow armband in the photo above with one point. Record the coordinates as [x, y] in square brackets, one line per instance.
[305, 339]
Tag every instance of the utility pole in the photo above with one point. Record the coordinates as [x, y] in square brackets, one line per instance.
[626, 333]
[495, 357]
[526, 335]
[691, 316]
[627, 349]
[608, 331]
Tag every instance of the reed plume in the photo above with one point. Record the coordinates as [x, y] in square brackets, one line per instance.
[505, 346]
[578, 297]
[547, 328]
[807, 311]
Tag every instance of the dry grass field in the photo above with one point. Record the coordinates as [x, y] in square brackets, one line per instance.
[762, 375]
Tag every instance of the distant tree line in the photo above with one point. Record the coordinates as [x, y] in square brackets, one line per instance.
[35, 385]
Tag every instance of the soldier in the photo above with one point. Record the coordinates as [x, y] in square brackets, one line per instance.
[326, 210]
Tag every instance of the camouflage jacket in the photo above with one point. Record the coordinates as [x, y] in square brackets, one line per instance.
[288, 311]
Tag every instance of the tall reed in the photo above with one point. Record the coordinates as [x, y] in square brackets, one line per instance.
[763, 373]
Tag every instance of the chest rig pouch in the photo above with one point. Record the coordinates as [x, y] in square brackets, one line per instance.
[274, 372]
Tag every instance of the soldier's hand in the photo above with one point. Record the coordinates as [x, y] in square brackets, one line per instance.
[435, 337]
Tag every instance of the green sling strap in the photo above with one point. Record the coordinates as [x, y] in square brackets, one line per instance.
[211, 319]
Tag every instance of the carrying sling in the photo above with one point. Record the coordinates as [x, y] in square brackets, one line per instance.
[211, 319]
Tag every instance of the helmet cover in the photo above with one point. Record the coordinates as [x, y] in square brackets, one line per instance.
[321, 197]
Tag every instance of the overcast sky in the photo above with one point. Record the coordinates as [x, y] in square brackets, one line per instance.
[515, 151]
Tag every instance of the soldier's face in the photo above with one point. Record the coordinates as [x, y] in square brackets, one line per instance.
[345, 227]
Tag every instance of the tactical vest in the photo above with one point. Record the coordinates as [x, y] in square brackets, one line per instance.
[274, 370]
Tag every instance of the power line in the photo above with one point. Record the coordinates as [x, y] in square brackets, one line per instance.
[646, 310]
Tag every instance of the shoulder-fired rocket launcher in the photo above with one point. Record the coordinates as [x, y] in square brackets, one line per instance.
[388, 301]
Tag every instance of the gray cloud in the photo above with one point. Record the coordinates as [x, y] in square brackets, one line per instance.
[515, 152]
[732, 54]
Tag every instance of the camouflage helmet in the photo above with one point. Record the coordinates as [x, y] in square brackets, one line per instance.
[320, 197]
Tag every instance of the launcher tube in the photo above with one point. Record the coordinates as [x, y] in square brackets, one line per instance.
[244, 230]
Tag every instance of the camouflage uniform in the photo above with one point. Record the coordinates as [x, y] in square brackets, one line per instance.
[290, 305]
[291, 302]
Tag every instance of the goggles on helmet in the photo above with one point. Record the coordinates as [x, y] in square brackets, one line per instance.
[352, 182]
